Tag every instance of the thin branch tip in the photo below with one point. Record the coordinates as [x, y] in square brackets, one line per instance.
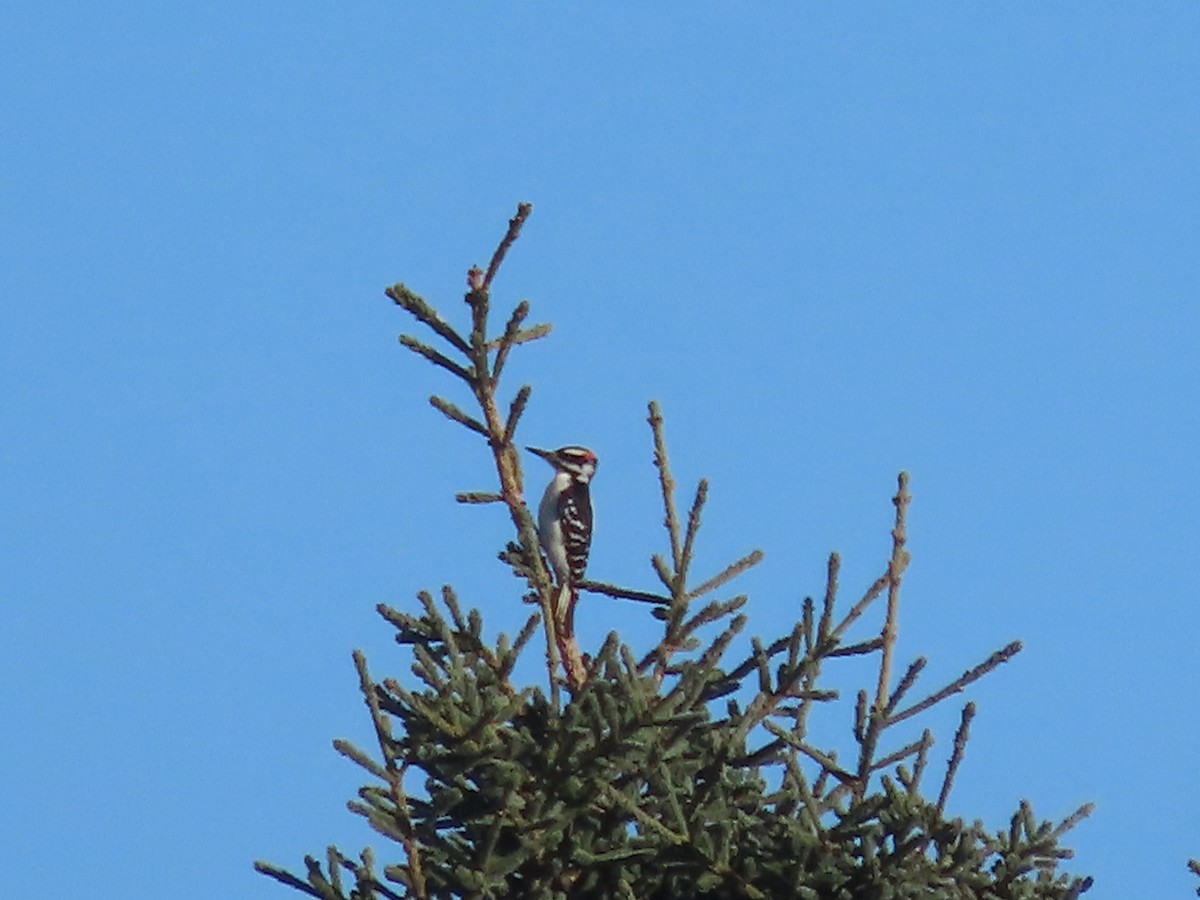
[514, 229]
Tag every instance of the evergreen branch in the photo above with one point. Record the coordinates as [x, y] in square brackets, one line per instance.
[1074, 819]
[283, 876]
[896, 567]
[352, 753]
[318, 880]
[860, 649]
[767, 754]
[514, 229]
[895, 757]
[382, 731]
[420, 309]
[956, 756]
[918, 768]
[811, 670]
[505, 343]
[620, 593]
[761, 665]
[1002, 655]
[451, 600]
[671, 796]
[827, 762]
[906, 683]
[768, 699]
[436, 358]
[664, 574]
[333, 864]
[869, 724]
[522, 564]
[411, 630]
[380, 817]
[381, 888]
[708, 659]
[508, 464]
[1022, 820]
[871, 595]
[519, 644]
[792, 765]
[712, 689]
[524, 335]
[921, 761]
[716, 649]
[861, 717]
[366, 873]
[803, 629]
[712, 612]
[744, 668]
[478, 497]
[753, 558]
[667, 481]
[452, 412]
[647, 821]
[797, 693]
[478, 300]
[515, 410]
[606, 657]
[693, 526]
[831, 586]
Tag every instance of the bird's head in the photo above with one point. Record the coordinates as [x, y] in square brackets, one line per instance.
[578, 462]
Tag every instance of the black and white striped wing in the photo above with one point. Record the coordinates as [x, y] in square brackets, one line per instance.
[575, 514]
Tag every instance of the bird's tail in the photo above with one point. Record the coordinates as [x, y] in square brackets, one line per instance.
[564, 610]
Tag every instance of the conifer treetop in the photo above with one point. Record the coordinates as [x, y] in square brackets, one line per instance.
[687, 768]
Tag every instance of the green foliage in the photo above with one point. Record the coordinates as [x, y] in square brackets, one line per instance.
[675, 772]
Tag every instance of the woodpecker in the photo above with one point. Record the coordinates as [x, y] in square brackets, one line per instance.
[565, 524]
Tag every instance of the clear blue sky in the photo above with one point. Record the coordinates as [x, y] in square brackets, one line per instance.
[957, 240]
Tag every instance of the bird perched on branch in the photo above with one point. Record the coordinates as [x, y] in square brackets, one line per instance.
[565, 525]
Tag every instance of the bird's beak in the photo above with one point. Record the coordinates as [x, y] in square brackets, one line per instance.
[547, 455]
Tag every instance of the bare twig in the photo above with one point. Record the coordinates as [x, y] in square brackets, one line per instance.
[753, 558]
[895, 757]
[871, 595]
[454, 414]
[515, 410]
[285, 877]
[1074, 819]
[859, 649]
[896, 567]
[478, 497]
[506, 341]
[956, 755]
[611, 590]
[693, 526]
[514, 229]
[906, 682]
[1003, 655]
[422, 311]
[667, 481]
[436, 358]
[921, 761]
[826, 761]
[525, 335]
[831, 586]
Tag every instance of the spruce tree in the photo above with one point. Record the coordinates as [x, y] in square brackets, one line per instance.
[681, 769]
